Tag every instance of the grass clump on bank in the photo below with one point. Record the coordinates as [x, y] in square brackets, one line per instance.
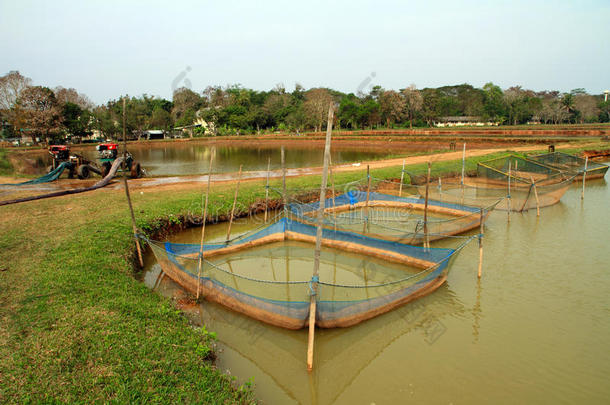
[6, 167]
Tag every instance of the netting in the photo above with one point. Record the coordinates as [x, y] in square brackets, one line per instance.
[230, 277]
[51, 176]
[521, 198]
[394, 218]
[571, 163]
[522, 172]
[522, 184]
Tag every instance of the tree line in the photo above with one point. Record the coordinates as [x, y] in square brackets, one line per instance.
[59, 113]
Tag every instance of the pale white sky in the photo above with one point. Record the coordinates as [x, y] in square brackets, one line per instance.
[108, 48]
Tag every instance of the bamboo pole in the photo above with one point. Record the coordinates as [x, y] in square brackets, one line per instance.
[481, 244]
[234, 204]
[267, 189]
[426, 241]
[463, 162]
[536, 195]
[133, 217]
[283, 163]
[402, 177]
[332, 182]
[584, 177]
[508, 195]
[316, 261]
[440, 189]
[368, 196]
[203, 220]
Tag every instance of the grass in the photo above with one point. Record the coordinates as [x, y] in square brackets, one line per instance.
[6, 167]
[76, 325]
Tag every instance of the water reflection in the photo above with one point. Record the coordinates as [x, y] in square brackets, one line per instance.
[341, 353]
[180, 158]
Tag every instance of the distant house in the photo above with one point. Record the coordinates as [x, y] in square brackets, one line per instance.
[185, 130]
[462, 121]
[27, 137]
[153, 134]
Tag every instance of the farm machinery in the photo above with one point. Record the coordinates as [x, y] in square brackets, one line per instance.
[83, 167]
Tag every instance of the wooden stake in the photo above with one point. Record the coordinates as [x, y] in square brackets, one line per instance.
[368, 196]
[508, 195]
[584, 177]
[402, 177]
[267, 188]
[316, 260]
[234, 204]
[203, 220]
[133, 217]
[463, 162]
[332, 182]
[536, 195]
[440, 190]
[283, 163]
[481, 245]
[426, 241]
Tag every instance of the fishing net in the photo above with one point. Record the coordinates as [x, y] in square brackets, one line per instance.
[521, 171]
[391, 210]
[355, 293]
[519, 199]
[522, 184]
[394, 218]
[571, 163]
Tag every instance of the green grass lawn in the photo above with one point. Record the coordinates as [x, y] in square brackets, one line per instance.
[76, 325]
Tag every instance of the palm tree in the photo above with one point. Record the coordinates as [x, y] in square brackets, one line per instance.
[568, 102]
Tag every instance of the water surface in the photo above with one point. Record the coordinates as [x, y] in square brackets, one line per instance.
[182, 158]
[534, 329]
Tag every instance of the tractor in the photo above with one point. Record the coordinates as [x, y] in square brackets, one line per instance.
[82, 167]
[108, 152]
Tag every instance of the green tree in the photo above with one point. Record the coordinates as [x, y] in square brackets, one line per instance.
[160, 119]
[75, 119]
[494, 107]
[349, 111]
[567, 101]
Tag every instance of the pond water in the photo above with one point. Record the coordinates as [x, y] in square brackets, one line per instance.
[534, 329]
[182, 158]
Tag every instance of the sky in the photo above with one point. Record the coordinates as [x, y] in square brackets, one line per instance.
[108, 48]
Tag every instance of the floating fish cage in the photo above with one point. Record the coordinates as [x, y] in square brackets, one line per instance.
[522, 172]
[233, 275]
[403, 219]
[522, 183]
[571, 164]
